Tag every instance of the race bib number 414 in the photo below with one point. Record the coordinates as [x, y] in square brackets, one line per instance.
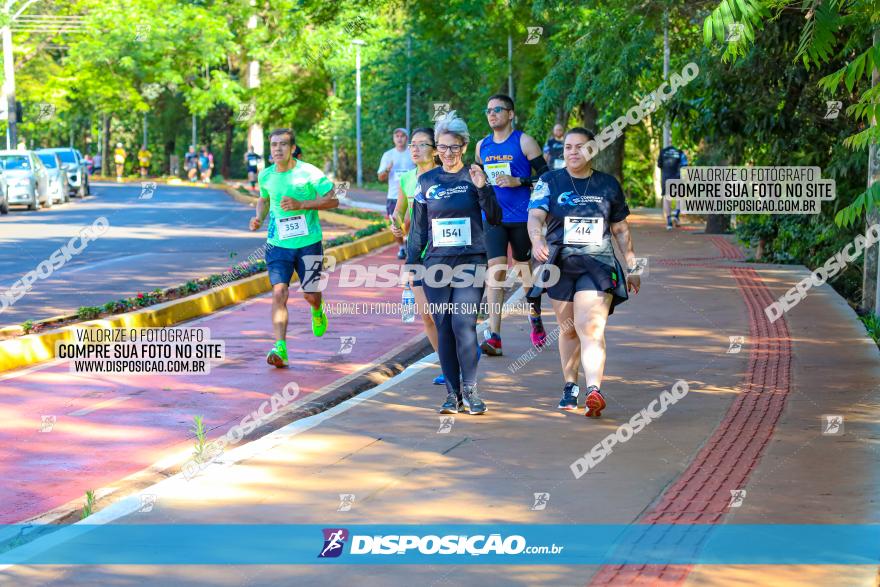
[584, 230]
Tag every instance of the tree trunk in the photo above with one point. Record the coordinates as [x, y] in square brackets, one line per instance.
[170, 145]
[227, 148]
[717, 223]
[105, 147]
[562, 117]
[609, 159]
[653, 156]
[871, 271]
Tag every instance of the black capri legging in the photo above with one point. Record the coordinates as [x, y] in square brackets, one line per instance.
[516, 234]
[457, 324]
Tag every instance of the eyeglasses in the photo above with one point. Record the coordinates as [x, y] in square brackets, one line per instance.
[496, 110]
[420, 146]
[451, 148]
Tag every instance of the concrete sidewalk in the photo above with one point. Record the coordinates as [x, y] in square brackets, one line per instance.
[753, 421]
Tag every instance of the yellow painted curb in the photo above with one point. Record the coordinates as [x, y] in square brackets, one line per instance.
[35, 348]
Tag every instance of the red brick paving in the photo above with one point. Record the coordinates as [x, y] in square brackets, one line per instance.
[702, 493]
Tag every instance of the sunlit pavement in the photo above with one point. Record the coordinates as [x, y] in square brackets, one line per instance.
[107, 427]
[752, 421]
[177, 234]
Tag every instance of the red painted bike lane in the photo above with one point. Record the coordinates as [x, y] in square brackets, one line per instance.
[66, 433]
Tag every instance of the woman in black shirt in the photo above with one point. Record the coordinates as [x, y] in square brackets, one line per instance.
[446, 235]
[582, 208]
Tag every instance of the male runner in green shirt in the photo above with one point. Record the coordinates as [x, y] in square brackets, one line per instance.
[291, 193]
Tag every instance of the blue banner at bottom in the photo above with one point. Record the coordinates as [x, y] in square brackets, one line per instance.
[493, 544]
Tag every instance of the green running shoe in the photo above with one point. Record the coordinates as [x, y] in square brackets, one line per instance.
[277, 357]
[319, 322]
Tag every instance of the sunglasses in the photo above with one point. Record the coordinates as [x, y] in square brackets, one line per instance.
[496, 109]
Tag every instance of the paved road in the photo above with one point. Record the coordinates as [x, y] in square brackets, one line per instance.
[752, 422]
[179, 234]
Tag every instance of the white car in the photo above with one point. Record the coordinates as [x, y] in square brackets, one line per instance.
[27, 182]
[59, 188]
[75, 166]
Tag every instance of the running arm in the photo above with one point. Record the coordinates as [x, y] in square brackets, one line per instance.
[418, 233]
[489, 204]
[262, 212]
[325, 202]
[535, 155]
[620, 230]
[399, 215]
[537, 219]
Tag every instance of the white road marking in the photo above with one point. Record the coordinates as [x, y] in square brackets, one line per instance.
[100, 405]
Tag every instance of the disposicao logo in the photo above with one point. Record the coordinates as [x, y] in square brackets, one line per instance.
[334, 541]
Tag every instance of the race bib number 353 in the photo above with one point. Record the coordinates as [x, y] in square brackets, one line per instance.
[584, 230]
[451, 232]
[292, 226]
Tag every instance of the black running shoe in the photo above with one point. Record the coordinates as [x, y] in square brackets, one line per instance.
[472, 400]
[569, 399]
[452, 405]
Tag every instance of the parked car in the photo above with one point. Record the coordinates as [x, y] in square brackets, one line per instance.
[27, 182]
[4, 202]
[59, 188]
[75, 165]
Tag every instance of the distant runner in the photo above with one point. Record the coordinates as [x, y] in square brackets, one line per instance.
[553, 148]
[252, 161]
[191, 164]
[206, 164]
[394, 163]
[670, 162]
[144, 158]
[119, 156]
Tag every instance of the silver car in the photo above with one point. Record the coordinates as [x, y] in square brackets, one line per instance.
[4, 202]
[59, 188]
[27, 182]
[75, 166]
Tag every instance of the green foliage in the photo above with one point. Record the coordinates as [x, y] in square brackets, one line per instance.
[349, 238]
[872, 325]
[27, 326]
[357, 213]
[88, 312]
[198, 429]
[89, 506]
[864, 203]
[819, 45]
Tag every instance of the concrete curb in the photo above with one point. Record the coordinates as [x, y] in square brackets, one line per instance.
[36, 348]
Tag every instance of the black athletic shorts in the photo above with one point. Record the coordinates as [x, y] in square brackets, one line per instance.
[514, 233]
[583, 273]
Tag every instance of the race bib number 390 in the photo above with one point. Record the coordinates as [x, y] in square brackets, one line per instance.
[581, 230]
[451, 232]
[292, 226]
[493, 170]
